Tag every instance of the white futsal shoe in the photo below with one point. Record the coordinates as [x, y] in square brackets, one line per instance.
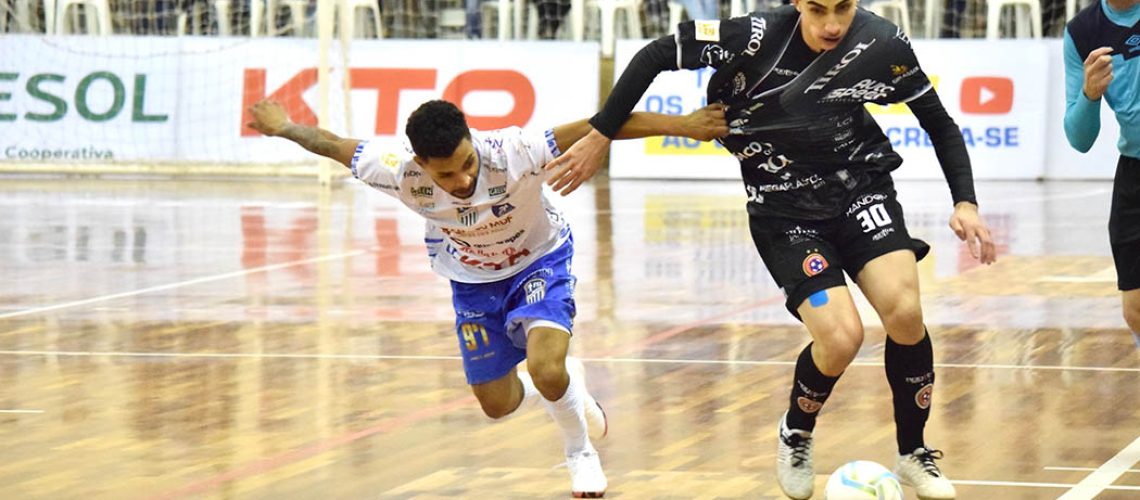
[586, 477]
[794, 469]
[919, 470]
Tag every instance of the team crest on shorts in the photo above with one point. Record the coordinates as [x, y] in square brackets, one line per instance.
[535, 290]
[814, 264]
[922, 398]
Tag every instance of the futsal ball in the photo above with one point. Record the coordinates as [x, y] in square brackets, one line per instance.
[863, 480]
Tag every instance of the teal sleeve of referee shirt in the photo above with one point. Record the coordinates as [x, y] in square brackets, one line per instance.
[1082, 116]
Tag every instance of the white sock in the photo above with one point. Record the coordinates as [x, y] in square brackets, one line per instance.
[569, 413]
[530, 392]
[529, 396]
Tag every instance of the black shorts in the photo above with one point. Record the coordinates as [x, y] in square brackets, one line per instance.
[1124, 223]
[806, 256]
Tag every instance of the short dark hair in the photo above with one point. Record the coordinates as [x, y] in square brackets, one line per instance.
[436, 128]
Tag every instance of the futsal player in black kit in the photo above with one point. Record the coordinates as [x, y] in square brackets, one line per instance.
[821, 201]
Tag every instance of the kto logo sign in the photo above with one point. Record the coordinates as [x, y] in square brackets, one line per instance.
[986, 95]
[388, 83]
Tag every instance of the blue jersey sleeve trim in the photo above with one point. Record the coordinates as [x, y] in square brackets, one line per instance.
[552, 144]
[356, 157]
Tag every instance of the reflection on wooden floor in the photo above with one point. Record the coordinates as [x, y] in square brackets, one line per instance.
[178, 339]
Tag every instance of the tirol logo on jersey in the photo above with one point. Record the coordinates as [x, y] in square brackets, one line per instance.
[535, 290]
[759, 24]
[423, 191]
[497, 190]
[814, 264]
[987, 95]
[466, 215]
[851, 55]
[707, 31]
[501, 210]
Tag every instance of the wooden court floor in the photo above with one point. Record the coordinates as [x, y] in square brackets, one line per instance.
[179, 339]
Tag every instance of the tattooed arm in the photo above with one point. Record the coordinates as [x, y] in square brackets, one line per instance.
[271, 119]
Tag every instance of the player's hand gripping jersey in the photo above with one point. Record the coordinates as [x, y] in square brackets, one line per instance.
[503, 227]
[799, 128]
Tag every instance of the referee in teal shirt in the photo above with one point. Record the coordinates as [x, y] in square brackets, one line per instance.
[1102, 63]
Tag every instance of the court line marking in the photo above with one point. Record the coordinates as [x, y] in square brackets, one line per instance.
[1103, 477]
[1080, 469]
[1034, 485]
[30, 412]
[649, 340]
[180, 284]
[267, 464]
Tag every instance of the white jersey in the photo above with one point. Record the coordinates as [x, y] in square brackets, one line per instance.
[496, 232]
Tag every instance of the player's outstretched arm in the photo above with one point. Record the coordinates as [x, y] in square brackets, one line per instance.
[270, 118]
[580, 141]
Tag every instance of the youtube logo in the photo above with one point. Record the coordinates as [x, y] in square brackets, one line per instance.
[987, 95]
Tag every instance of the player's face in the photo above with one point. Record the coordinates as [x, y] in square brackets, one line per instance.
[824, 23]
[457, 173]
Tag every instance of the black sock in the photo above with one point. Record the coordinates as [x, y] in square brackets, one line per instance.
[910, 372]
[810, 390]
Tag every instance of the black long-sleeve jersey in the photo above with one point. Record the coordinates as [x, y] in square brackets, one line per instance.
[805, 142]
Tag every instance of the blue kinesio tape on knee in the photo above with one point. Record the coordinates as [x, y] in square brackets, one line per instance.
[818, 299]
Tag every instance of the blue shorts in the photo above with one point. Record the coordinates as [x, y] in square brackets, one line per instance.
[490, 317]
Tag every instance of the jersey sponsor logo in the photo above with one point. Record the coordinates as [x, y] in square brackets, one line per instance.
[786, 72]
[423, 191]
[883, 234]
[923, 396]
[501, 210]
[739, 81]
[381, 185]
[497, 190]
[987, 95]
[535, 290]
[865, 200]
[1133, 43]
[759, 24]
[772, 163]
[715, 55]
[707, 30]
[901, 35]
[799, 235]
[390, 160]
[814, 264]
[412, 173]
[466, 215]
[904, 75]
[865, 90]
[850, 56]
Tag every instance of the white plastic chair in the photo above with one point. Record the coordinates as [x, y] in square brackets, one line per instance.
[296, 15]
[608, 10]
[359, 10]
[222, 10]
[676, 11]
[98, 16]
[894, 10]
[1032, 8]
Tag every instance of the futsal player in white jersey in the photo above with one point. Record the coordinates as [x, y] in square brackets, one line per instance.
[505, 248]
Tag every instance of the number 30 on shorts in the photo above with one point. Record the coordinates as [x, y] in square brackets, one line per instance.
[873, 217]
[471, 334]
